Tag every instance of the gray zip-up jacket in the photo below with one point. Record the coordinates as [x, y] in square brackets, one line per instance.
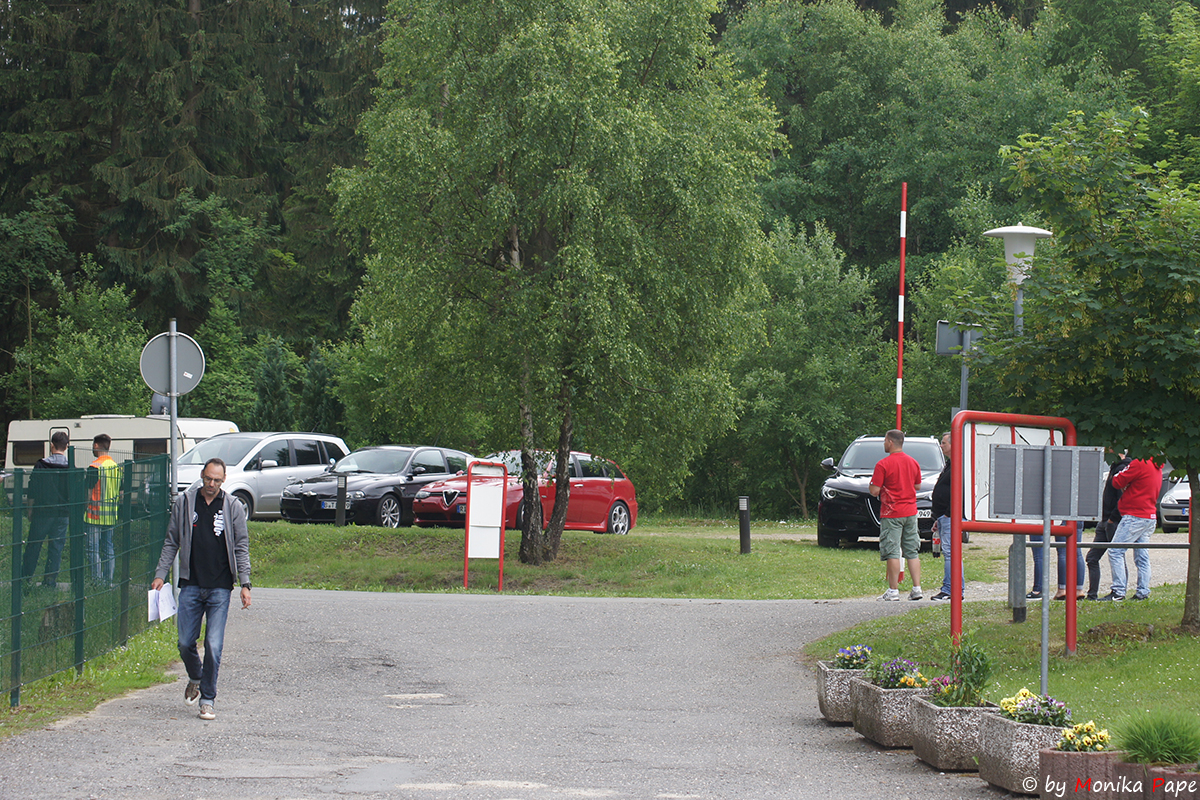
[179, 537]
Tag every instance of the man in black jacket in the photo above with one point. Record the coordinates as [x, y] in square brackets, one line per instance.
[1105, 527]
[49, 515]
[941, 518]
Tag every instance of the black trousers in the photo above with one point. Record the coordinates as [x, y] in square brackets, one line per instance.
[1104, 532]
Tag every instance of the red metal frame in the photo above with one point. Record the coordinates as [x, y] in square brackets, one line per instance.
[958, 524]
[503, 519]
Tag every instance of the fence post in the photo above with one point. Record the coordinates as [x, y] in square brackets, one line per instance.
[77, 498]
[18, 520]
[126, 547]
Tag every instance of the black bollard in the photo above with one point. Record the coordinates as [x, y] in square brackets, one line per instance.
[744, 515]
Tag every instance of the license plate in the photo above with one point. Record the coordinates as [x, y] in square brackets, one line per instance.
[462, 508]
[1184, 512]
[329, 505]
[924, 513]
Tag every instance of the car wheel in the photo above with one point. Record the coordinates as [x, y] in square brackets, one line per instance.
[389, 512]
[618, 518]
[246, 502]
[827, 538]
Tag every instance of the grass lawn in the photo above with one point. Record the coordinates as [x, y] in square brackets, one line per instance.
[695, 558]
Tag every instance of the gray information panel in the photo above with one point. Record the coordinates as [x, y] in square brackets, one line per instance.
[1018, 482]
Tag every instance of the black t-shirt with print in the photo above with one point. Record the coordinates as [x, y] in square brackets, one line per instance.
[210, 559]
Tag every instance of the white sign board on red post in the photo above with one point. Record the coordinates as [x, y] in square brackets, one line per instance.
[487, 486]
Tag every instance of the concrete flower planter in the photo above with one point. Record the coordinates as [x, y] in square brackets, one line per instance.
[883, 715]
[833, 691]
[947, 738]
[1177, 781]
[1093, 775]
[1009, 752]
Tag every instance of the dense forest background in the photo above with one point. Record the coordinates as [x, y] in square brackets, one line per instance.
[211, 162]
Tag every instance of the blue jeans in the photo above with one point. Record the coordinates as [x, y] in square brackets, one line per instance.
[1080, 570]
[943, 526]
[212, 605]
[53, 531]
[100, 552]
[1131, 530]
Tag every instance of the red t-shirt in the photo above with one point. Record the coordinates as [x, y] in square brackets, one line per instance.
[898, 476]
[1140, 482]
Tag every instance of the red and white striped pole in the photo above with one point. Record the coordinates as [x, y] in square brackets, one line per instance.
[900, 305]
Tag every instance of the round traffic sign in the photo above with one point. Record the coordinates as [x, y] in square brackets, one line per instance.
[156, 363]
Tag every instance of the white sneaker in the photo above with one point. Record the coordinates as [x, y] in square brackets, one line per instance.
[890, 594]
[915, 594]
[207, 712]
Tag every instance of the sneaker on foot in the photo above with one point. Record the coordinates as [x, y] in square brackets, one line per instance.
[890, 594]
[1141, 597]
[192, 693]
[916, 593]
[206, 711]
[941, 596]
[1112, 597]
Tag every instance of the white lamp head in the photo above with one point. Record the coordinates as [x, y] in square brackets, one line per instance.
[1018, 239]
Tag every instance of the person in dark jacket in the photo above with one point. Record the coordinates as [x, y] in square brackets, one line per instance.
[941, 519]
[1105, 527]
[49, 515]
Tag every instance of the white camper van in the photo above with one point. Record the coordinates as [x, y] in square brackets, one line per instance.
[29, 439]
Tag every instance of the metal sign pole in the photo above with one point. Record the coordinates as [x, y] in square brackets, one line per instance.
[1046, 570]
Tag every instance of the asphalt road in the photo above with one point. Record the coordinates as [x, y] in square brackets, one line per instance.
[465, 697]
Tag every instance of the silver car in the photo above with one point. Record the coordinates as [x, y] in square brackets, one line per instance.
[1173, 507]
[259, 465]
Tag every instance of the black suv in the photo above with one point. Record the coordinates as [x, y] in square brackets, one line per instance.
[847, 510]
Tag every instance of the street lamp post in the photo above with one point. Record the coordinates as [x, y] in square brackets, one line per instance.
[1019, 241]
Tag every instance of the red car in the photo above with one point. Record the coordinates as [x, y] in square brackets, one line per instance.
[602, 498]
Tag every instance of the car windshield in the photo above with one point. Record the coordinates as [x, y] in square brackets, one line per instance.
[375, 460]
[863, 456]
[512, 460]
[230, 449]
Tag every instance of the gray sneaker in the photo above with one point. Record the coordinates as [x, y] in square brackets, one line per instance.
[206, 711]
[890, 594]
[916, 593]
[192, 693]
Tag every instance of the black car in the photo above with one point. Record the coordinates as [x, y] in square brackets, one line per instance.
[847, 510]
[380, 485]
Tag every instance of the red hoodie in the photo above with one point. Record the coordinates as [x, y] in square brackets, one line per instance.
[1140, 482]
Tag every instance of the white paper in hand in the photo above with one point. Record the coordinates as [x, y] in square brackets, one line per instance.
[161, 604]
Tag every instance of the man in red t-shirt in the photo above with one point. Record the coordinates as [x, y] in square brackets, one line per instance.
[1139, 484]
[895, 483]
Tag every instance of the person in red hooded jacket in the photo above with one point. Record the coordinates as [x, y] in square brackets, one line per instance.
[1139, 484]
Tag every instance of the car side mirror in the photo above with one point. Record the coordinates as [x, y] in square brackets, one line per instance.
[268, 463]
[418, 471]
[828, 464]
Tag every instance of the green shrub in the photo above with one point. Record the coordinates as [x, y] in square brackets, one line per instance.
[1160, 736]
[970, 674]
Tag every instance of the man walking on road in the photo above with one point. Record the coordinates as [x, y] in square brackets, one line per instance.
[895, 483]
[208, 530]
[1139, 484]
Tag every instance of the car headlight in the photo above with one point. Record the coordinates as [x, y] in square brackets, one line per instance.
[925, 495]
[830, 493]
[421, 495]
[288, 493]
[356, 494]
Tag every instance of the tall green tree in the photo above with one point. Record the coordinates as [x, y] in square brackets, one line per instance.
[273, 407]
[867, 106]
[1111, 315]
[563, 201]
[84, 353]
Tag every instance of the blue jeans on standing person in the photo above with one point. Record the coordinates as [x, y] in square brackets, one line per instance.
[1131, 530]
[100, 552]
[211, 605]
[943, 526]
[53, 531]
[1080, 571]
